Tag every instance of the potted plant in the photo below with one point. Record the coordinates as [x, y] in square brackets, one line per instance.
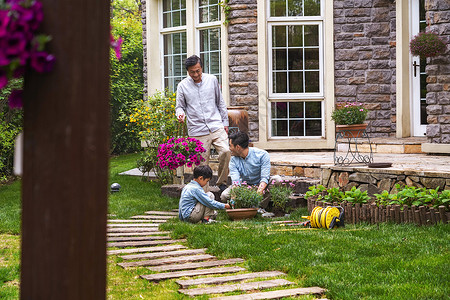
[427, 44]
[280, 193]
[349, 117]
[244, 201]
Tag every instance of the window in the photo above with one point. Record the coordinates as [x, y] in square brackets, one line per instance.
[174, 42]
[209, 37]
[295, 68]
[177, 38]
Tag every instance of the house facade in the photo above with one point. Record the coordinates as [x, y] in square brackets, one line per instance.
[288, 62]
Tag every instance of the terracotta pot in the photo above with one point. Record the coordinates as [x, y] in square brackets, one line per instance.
[351, 131]
[241, 213]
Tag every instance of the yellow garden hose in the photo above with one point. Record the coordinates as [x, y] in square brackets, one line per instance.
[327, 217]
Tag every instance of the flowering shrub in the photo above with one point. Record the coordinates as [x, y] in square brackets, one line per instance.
[155, 119]
[179, 152]
[349, 113]
[427, 44]
[245, 196]
[20, 44]
[280, 192]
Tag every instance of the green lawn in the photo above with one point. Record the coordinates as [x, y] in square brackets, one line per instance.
[355, 262]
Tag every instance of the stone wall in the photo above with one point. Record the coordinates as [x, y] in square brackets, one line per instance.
[243, 60]
[438, 71]
[364, 49]
[376, 181]
[144, 42]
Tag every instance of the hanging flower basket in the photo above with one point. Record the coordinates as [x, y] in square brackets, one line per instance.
[427, 44]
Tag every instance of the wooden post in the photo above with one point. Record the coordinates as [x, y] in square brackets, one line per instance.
[66, 147]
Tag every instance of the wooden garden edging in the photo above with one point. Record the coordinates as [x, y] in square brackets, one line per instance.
[371, 213]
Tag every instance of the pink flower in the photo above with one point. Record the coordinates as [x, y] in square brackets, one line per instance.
[42, 61]
[361, 109]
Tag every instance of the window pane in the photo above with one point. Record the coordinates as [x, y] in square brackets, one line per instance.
[203, 14]
[295, 82]
[204, 46]
[312, 8]
[214, 13]
[279, 59]
[215, 63]
[295, 8]
[311, 35]
[167, 20]
[167, 44]
[175, 4]
[183, 4]
[277, 8]
[214, 37]
[279, 128]
[296, 128]
[296, 109]
[295, 36]
[183, 42]
[279, 110]
[176, 19]
[313, 109]
[313, 127]
[279, 36]
[177, 65]
[295, 59]
[312, 82]
[280, 82]
[312, 59]
[174, 56]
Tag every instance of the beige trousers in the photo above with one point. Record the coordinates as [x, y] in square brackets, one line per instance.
[200, 211]
[219, 139]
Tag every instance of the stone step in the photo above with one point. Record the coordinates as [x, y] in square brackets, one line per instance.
[257, 285]
[191, 273]
[138, 238]
[163, 213]
[143, 243]
[136, 229]
[128, 225]
[219, 280]
[149, 217]
[150, 220]
[146, 249]
[164, 254]
[166, 261]
[277, 294]
[143, 233]
[188, 266]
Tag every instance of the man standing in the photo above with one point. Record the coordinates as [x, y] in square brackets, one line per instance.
[248, 164]
[200, 99]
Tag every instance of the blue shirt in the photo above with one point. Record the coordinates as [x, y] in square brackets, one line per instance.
[253, 169]
[190, 195]
[202, 104]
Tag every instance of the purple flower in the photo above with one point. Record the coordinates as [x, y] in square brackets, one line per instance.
[15, 44]
[42, 62]
[15, 99]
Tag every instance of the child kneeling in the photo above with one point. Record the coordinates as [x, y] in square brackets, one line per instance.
[195, 204]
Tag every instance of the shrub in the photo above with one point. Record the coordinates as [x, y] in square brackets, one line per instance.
[127, 81]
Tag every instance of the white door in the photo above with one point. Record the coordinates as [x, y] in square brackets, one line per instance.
[418, 75]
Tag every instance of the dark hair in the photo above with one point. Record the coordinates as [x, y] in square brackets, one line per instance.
[192, 61]
[239, 138]
[204, 171]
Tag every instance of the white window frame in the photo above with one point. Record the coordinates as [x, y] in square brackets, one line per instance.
[294, 97]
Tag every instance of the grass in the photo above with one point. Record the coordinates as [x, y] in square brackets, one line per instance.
[355, 262]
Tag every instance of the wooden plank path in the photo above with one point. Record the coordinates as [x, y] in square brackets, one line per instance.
[146, 249]
[137, 238]
[163, 254]
[137, 233]
[156, 250]
[164, 262]
[277, 294]
[219, 280]
[249, 286]
[191, 273]
[205, 264]
[143, 243]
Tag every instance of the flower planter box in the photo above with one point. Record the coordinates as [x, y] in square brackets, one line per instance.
[373, 214]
